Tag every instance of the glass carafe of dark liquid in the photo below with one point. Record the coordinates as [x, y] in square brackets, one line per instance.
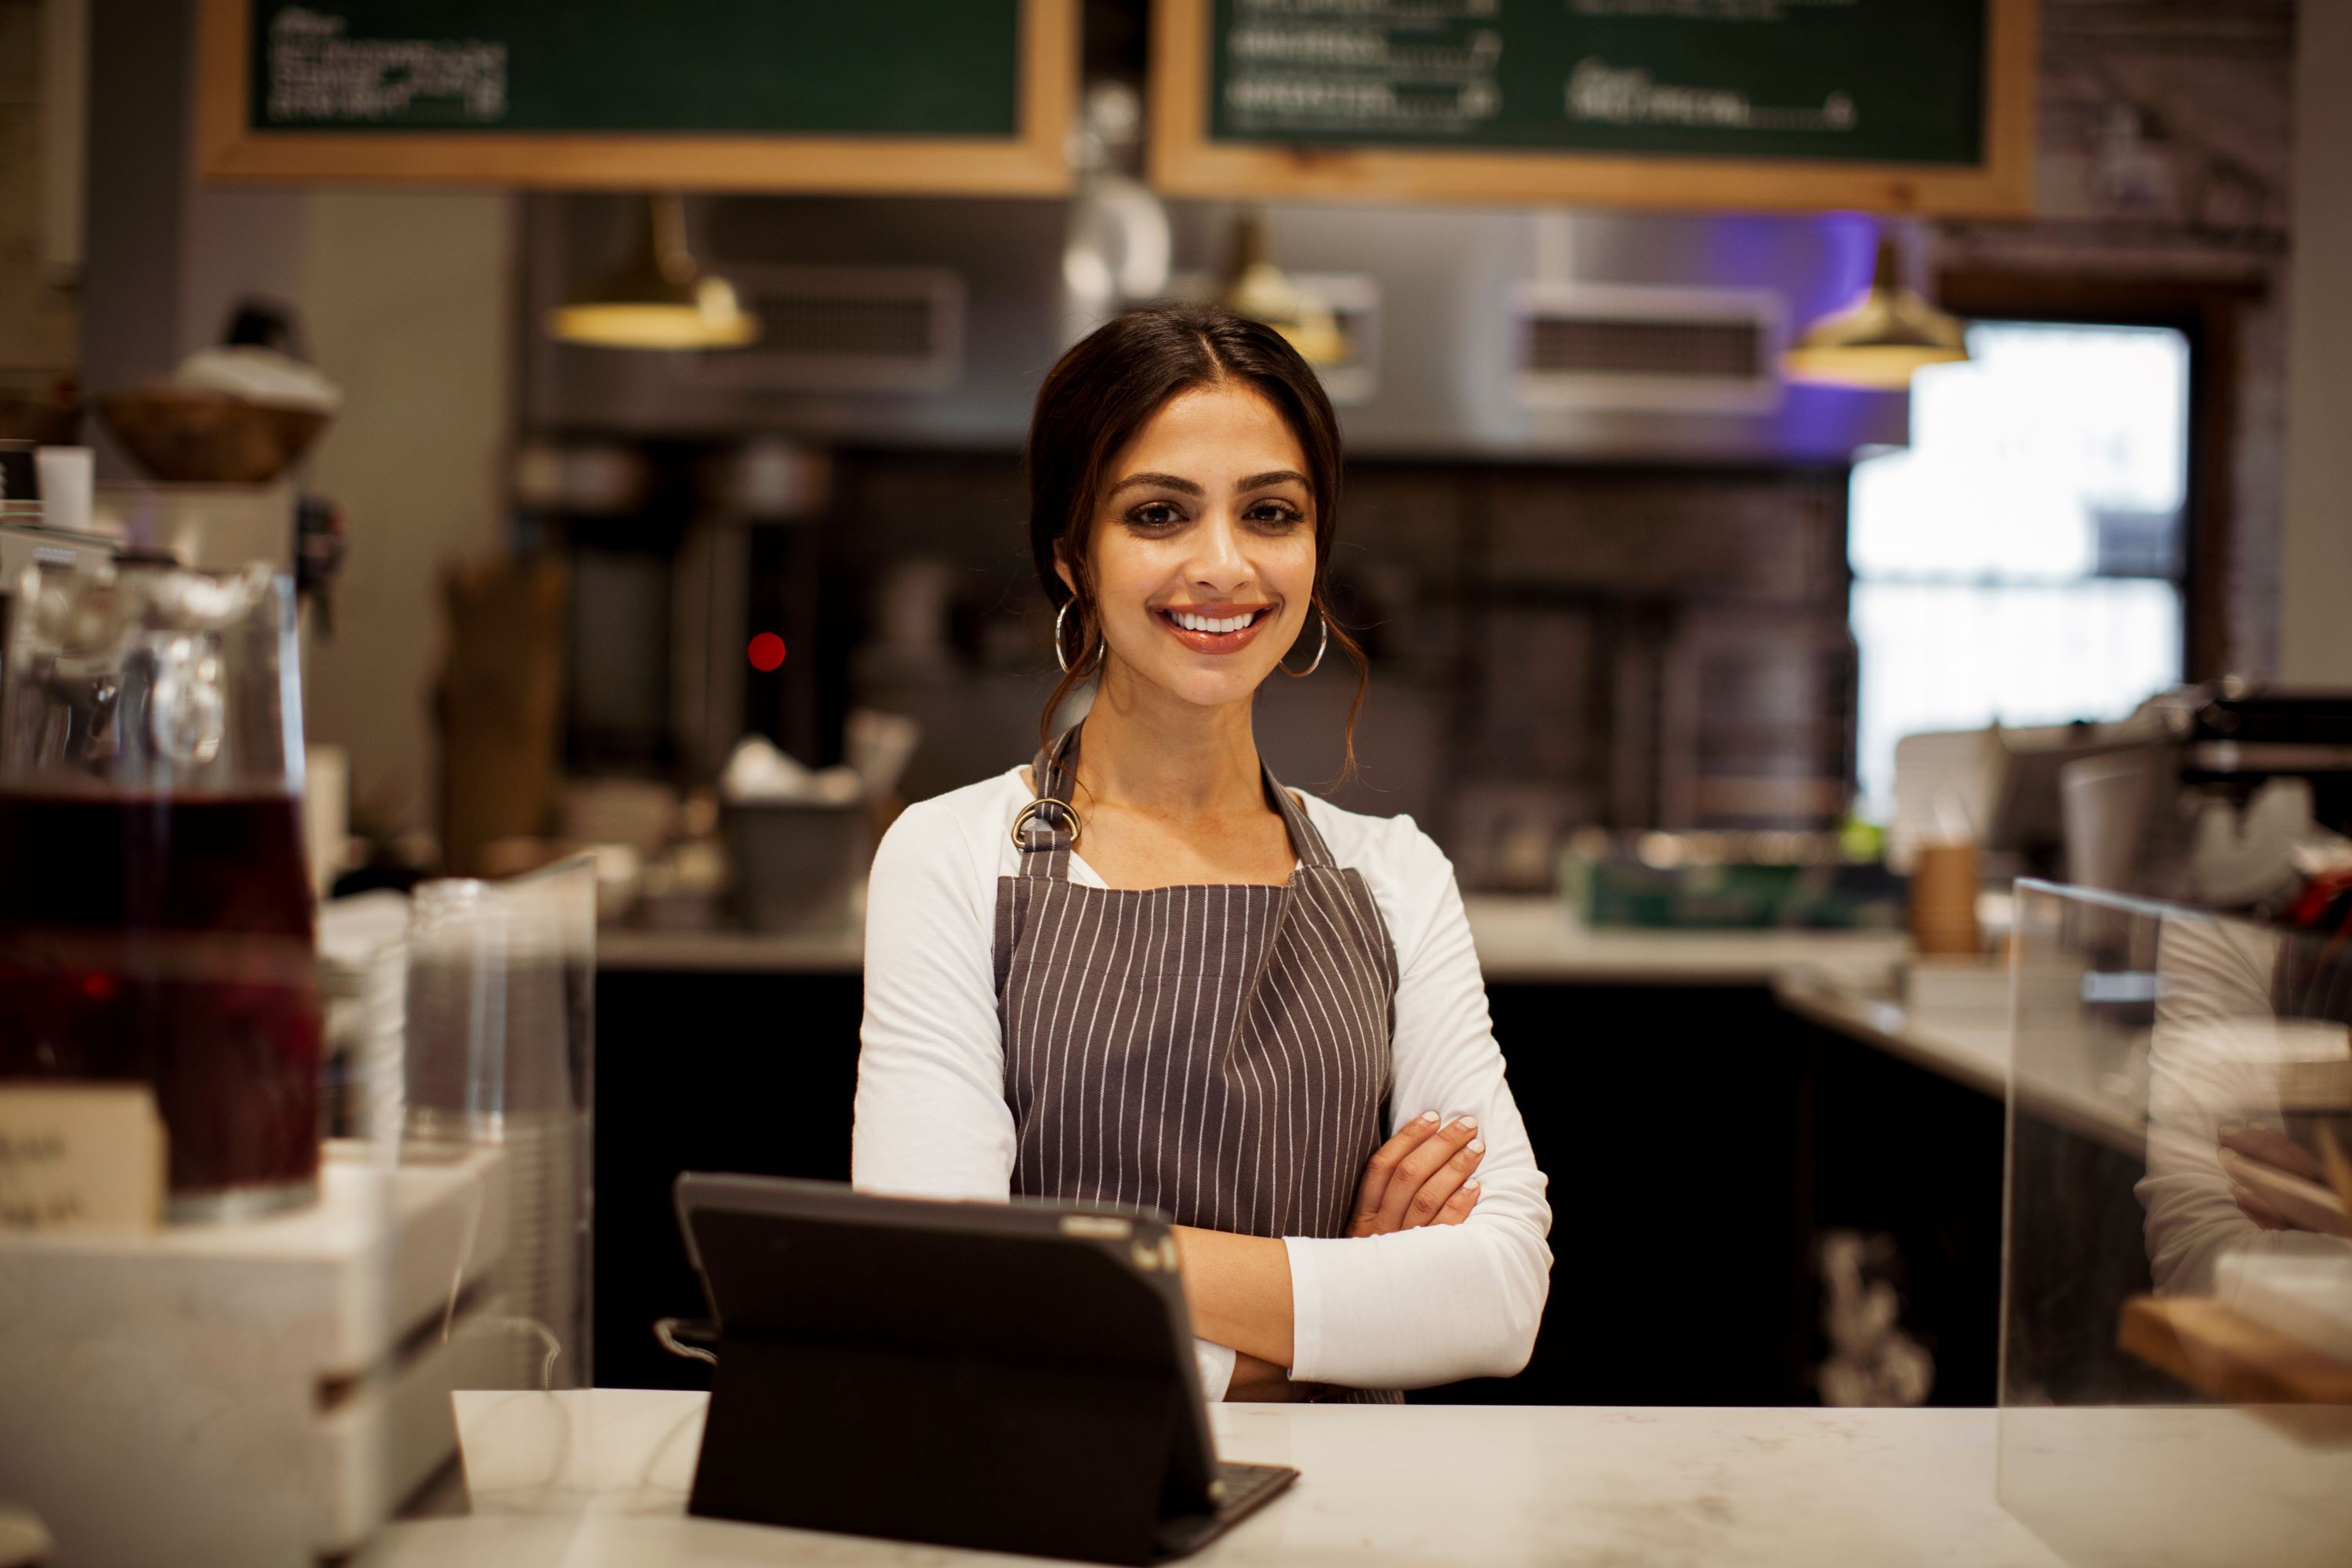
[155, 909]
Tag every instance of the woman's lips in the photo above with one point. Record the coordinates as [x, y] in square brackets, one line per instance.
[1214, 642]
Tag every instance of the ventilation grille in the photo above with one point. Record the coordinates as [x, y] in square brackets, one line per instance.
[1649, 350]
[807, 324]
[1605, 347]
[868, 329]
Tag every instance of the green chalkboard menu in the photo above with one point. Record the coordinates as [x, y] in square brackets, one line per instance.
[886, 95]
[1903, 104]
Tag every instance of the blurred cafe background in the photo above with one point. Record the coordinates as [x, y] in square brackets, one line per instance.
[1764, 561]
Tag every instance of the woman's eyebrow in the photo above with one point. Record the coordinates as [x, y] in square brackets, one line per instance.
[1272, 477]
[1157, 481]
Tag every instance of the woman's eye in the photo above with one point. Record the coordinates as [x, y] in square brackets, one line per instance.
[1155, 514]
[1275, 514]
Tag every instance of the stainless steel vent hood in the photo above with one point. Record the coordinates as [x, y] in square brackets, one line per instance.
[1496, 333]
[1639, 348]
[843, 329]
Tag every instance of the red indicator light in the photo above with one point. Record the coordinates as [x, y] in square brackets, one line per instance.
[767, 651]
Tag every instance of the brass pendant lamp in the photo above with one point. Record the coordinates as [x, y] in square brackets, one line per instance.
[1255, 287]
[660, 299]
[1881, 340]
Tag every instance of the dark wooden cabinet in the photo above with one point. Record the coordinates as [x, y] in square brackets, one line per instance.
[703, 1071]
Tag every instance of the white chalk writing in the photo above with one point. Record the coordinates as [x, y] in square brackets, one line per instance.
[316, 73]
[1599, 92]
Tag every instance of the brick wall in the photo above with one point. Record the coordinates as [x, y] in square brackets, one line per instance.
[1551, 645]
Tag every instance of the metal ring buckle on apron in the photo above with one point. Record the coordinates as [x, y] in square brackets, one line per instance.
[1029, 812]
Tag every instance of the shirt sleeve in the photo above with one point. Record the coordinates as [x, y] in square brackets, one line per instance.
[1436, 1303]
[1217, 1369]
[931, 1119]
[2213, 998]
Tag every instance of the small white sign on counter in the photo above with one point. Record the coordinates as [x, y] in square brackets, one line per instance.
[79, 1156]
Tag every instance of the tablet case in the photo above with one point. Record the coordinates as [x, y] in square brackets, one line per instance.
[1016, 1378]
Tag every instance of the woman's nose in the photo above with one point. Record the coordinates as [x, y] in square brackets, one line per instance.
[1218, 558]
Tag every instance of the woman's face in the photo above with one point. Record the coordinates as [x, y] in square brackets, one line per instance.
[1202, 547]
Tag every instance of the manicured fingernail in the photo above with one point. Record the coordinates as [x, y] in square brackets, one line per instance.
[1429, 1116]
[1477, 1145]
[1471, 1185]
[1469, 1121]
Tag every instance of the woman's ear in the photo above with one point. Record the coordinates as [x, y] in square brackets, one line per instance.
[1062, 568]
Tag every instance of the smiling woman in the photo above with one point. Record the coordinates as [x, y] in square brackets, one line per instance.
[1161, 423]
[1246, 1008]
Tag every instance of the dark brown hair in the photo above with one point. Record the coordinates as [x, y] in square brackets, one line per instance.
[1103, 391]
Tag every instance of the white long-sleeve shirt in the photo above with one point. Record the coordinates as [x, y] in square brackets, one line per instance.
[1407, 1309]
[2214, 1057]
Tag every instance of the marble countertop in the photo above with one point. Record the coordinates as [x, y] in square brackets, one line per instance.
[2090, 1081]
[739, 952]
[591, 1478]
[1533, 940]
[601, 1478]
[1521, 940]
[1971, 1049]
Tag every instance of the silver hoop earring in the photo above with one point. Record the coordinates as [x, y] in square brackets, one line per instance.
[1059, 657]
[1321, 642]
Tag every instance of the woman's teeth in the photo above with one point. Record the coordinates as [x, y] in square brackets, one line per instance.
[1192, 622]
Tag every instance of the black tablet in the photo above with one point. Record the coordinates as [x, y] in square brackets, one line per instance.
[1014, 1376]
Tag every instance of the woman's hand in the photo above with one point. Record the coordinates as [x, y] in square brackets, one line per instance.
[2258, 1148]
[1420, 1176]
[1238, 1287]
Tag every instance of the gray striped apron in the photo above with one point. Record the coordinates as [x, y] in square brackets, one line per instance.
[1216, 1051]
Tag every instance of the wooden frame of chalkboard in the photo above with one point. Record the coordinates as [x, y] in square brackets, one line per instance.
[1187, 160]
[1033, 162]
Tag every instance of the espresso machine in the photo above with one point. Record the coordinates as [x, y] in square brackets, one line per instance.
[2226, 794]
[30, 536]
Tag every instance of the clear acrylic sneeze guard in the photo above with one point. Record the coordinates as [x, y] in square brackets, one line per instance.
[2176, 1301]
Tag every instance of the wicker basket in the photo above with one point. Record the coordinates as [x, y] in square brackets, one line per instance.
[192, 434]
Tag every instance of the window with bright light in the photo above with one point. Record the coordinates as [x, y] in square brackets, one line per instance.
[2021, 562]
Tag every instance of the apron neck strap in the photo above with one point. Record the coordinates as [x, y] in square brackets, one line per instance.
[1047, 829]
